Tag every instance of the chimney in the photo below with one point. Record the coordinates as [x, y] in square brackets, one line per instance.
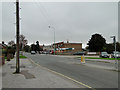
[67, 41]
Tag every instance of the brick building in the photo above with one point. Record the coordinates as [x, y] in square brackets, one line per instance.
[67, 48]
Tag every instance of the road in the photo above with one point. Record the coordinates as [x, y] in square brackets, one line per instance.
[90, 75]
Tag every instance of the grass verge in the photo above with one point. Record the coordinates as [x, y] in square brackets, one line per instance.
[22, 57]
[101, 58]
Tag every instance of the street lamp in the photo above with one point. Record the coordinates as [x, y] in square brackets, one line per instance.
[54, 36]
[114, 41]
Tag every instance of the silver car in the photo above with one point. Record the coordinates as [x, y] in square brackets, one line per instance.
[117, 54]
[33, 52]
[104, 55]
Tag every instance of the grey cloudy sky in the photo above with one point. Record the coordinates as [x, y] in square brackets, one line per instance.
[73, 21]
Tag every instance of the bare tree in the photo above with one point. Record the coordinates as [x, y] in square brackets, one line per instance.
[23, 42]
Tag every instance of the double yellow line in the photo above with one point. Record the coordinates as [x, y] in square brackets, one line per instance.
[78, 82]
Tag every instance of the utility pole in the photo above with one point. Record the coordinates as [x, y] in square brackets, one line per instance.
[17, 37]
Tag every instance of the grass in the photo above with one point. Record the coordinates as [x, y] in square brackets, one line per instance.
[22, 57]
[5, 57]
[101, 58]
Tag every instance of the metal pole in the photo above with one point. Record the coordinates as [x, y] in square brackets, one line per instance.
[54, 37]
[54, 42]
[114, 39]
[17, 37]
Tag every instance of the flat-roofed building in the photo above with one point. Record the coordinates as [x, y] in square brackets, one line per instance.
[68, 48]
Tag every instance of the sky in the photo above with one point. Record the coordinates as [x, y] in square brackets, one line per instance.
[72, 21]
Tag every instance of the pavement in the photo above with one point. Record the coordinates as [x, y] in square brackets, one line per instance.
[33, 76]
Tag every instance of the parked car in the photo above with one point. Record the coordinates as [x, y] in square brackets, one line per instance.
[46, 52]
[33, 52]
[117, 54]
[79, 53]
[104, 55]
[52, 52]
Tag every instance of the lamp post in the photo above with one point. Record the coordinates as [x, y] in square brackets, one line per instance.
[114, 41]
[54, 37]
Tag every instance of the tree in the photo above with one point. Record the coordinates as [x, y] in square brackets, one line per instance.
[110, 47]
[96, 43]
[10, 53]
[27, 48]
[23, 42]
[11, 43]
[38, 46]
[33, 47]
[118, 46]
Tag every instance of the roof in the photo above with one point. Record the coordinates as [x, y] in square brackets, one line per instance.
[3, 46]
[66, 43]
[72, 43]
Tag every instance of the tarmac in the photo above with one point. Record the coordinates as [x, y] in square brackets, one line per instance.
[97, 60]
[33, 76]
[97, 63]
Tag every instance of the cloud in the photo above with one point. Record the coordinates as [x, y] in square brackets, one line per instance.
[72, 21]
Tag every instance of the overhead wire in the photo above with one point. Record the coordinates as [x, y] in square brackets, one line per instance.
[41, 11]
[44, 12]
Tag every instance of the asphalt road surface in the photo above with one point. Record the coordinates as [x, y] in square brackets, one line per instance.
[92, 76]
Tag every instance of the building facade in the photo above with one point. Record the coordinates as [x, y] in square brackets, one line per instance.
[67, 48]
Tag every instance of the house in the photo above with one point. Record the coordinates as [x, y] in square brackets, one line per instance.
[2, 46]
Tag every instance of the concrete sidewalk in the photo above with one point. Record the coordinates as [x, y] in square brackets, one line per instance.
[33, 76]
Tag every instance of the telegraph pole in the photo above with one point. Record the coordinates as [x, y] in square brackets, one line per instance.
[17, 37]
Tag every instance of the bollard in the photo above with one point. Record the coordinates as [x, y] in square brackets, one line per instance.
[82, 59]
